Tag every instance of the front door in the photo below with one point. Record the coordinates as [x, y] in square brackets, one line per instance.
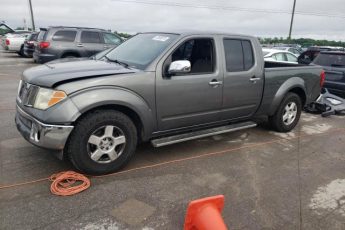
[192, 98]
[243, 78]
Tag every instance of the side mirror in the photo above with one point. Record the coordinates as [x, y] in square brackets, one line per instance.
[182, 66]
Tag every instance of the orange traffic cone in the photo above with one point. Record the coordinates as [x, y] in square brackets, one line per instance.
[205, 214]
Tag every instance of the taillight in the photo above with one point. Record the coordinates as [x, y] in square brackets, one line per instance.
[7, 42]
[322, 78]
[44, 45]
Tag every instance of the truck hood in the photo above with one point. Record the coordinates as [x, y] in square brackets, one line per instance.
[52, 74]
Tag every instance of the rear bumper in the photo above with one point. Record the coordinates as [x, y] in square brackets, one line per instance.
[337, 88]
[43, 58]
[40, 134]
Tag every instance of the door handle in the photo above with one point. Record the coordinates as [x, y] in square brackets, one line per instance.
[80, 45]
[254, 79]
[214, 82]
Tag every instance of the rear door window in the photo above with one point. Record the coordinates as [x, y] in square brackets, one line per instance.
[90, 37]
[291, 58]
[64, 36]
[279, 57]
[238, 55]
[111, 39]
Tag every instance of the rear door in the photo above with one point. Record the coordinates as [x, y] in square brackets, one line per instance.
[243, 78]
[193, 98]
[91, 42]
[62, 42]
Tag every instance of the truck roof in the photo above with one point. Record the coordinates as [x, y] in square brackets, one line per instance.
[73, 27]
[197, 32]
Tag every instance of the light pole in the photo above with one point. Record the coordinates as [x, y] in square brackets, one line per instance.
[292, 17]
[32, 16]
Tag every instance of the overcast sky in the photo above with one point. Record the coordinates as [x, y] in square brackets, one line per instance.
[134, 17]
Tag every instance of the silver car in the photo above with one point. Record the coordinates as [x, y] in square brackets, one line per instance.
[274, 55]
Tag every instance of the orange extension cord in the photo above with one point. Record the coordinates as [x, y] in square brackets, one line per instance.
[68, 183]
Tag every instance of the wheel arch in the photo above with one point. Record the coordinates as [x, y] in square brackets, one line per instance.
[133, 115]
[117, 99]
[70, 52]
[294, 85]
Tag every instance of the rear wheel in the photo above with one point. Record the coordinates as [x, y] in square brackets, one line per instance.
[288, 113]
[102, 142]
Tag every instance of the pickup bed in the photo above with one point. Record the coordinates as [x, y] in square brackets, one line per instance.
[158, 87]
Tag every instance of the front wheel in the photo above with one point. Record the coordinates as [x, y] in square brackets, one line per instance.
[288, 113]
[102, 142]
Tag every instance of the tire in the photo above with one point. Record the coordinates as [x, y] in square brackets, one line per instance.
[21, 51]
[91, 137]
[288, 113]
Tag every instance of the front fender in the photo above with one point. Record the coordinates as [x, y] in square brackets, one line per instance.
[91, 98]
[288, 85]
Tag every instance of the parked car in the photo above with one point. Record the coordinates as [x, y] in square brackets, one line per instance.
[159, 87]
[333, 62]
[15, 42]
[279, 56]
[312, 52]
[9, 33]
[61, 42]
[293, 50]
[29, 44]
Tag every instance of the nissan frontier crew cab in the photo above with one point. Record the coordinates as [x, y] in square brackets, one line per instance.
[159, 87]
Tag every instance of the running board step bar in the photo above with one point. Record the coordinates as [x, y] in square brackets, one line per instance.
[201, 133]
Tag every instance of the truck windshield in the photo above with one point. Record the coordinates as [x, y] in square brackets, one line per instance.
[139, 51]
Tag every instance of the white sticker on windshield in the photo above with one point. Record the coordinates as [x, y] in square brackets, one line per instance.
[160, 38]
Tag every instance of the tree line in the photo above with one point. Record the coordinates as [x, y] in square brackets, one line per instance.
[304, 42]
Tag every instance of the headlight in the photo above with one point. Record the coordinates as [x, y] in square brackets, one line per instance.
[46, 98]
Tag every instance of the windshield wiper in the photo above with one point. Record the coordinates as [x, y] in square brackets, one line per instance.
[117, 62]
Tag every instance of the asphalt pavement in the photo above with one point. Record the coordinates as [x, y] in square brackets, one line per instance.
[270, 180]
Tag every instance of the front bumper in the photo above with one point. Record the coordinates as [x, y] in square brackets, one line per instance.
[40, 134]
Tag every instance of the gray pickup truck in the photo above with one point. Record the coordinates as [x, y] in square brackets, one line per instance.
[159, 87]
